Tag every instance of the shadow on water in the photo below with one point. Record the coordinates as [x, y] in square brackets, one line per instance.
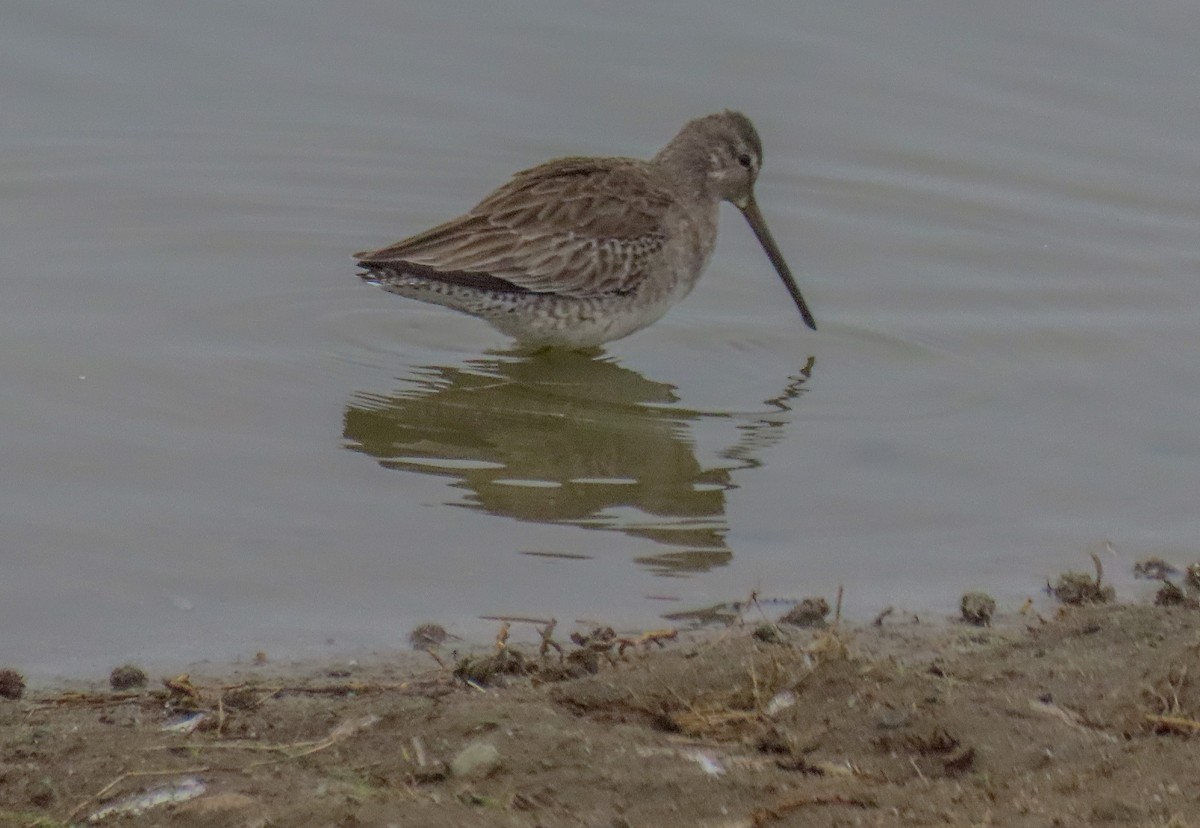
[571, 438]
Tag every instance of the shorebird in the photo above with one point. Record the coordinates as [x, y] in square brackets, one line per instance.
[581, 251]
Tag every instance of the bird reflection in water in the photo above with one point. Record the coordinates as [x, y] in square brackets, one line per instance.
[570, 438]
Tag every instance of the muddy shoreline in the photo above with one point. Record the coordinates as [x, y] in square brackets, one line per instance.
[1081, 716]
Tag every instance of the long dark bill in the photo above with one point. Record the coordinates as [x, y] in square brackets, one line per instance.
[759, 225]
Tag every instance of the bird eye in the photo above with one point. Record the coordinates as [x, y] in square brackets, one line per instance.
[745, 160]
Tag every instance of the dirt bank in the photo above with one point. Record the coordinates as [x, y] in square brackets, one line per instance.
[1084, 718]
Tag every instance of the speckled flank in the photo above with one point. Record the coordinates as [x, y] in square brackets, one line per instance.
[581, 251]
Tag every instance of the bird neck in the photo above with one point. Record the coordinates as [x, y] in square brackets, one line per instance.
[686, 163]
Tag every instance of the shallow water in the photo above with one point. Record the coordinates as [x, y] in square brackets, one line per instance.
[216, 440]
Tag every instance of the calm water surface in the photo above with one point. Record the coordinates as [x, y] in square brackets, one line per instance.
[216, 440]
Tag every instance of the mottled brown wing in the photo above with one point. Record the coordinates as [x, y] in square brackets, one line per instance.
[575, 227]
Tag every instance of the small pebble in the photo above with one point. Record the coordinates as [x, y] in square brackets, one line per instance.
[977, 608]
[475, 761]
[127, 676]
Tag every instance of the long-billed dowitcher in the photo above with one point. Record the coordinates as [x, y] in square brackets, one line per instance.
[581, 251]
